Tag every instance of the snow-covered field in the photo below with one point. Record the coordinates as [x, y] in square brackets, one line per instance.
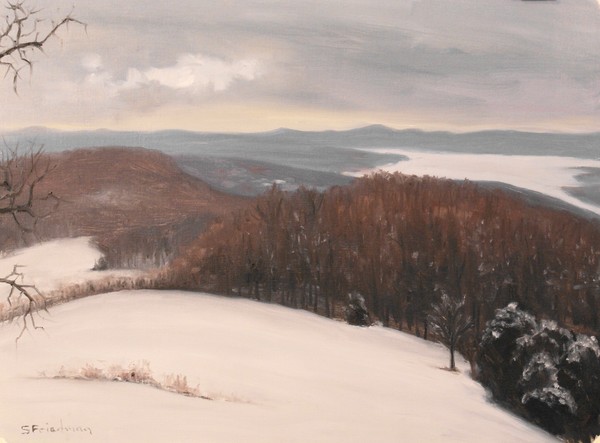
[276, 375]
[55, 263]
[548, 175]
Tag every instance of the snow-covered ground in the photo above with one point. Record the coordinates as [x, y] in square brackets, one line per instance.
[276, 374]
[545, 174]
[50, 265]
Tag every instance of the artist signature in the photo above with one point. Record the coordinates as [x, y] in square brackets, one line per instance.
[60, 428]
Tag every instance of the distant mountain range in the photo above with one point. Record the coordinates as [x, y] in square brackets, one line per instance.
[246, 164]
[296, 145]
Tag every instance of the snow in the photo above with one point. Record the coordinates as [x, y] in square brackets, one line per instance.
[548, 175]
[51, 264]
[551, 395]
[276, 375]
[583, 343]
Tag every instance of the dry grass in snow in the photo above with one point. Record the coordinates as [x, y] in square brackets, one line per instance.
[139, 373]
[304, 378]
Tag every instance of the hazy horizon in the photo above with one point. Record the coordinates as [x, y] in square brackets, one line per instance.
[256, 65]
[456, 131]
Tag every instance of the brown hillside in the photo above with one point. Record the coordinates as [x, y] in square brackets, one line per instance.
[133, 201]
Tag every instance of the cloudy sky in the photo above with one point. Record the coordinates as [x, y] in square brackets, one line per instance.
[254, 65]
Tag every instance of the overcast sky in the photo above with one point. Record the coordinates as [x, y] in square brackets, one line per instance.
[253, 65]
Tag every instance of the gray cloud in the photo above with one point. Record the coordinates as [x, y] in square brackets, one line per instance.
[495, 61]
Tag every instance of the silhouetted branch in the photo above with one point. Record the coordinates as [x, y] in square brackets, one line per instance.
[20, 175]
[21, 37]
[30, 298]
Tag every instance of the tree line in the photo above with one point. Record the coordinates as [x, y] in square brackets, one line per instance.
[401, 242]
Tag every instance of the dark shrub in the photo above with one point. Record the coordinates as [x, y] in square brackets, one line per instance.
[498, 369]
[356, 311]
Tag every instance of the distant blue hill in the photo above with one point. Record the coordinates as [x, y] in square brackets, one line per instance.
[288, 142]
[246, 164]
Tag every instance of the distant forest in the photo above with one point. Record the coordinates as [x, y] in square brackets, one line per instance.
[401, 242]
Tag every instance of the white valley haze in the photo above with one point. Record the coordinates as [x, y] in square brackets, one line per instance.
[548, 175]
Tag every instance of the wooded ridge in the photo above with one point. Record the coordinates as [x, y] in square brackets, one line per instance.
[402, 241]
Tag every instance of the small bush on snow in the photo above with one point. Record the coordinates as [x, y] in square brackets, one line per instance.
[356, 310]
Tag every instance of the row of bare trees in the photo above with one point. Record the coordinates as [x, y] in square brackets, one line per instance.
[402, 242]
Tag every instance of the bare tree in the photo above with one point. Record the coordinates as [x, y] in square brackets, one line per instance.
[22, 206]
[449, 323]
[23, 34]
[20, 175]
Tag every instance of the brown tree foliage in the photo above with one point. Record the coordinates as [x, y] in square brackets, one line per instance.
[401, 241]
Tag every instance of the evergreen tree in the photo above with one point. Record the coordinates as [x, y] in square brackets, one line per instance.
[498, 370]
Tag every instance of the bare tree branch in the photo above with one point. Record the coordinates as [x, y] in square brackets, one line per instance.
[28, 299]
[21, 37]
[449, 323]
[20, 175]
[22, 34]
[22, 204]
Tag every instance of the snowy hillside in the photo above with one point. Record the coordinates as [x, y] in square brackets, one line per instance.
[50, 265]
[274, 374]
